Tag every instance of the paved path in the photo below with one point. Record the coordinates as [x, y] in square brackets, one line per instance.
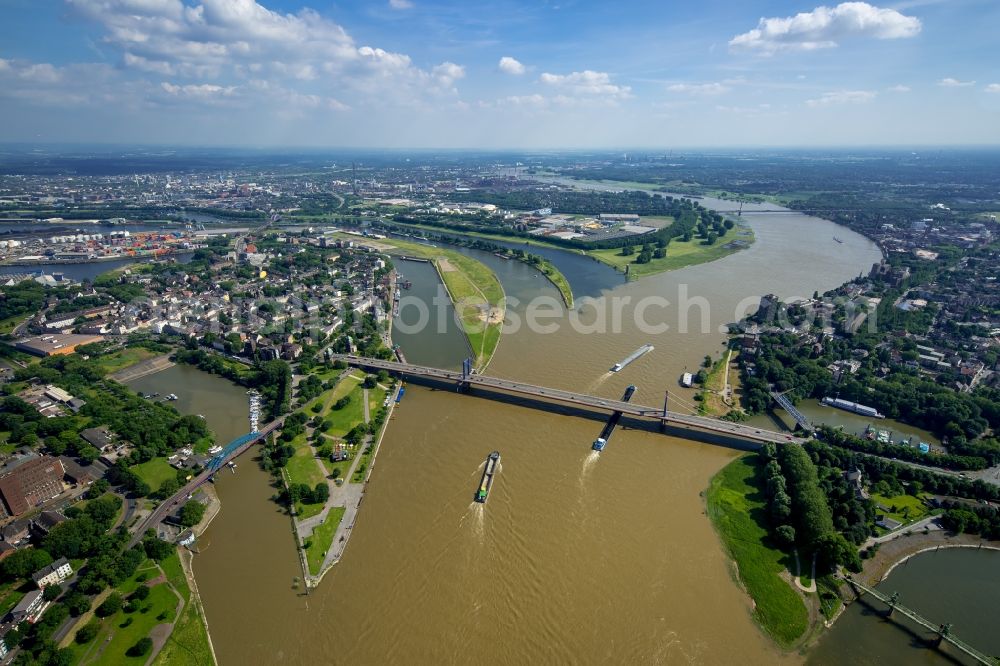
[930, 522]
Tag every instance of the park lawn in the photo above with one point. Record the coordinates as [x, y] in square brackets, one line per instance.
[376, 397]
[679, 253]
[902, 508]
[188, 643]
[154, 472]
[122, 358]
[174, 572]
[343, 465]
[737, 509]
[322, 538]
[343, 420]
[113, 640]
[303, 468]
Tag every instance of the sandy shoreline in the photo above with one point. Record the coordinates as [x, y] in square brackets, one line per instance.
[896, 552]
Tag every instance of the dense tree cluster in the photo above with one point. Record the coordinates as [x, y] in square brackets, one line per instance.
[799, 510]
[895, 474]
[846, 440]
[983, 520]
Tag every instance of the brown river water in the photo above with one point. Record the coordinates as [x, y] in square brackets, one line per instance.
[576, 557]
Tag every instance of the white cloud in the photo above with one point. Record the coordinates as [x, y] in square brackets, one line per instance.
[899, 89]
[222, 42]
[992, 88]
[842, 97]
[202, 91]
[447, 73]
[401, 4]
[955, 83]
[587, 82]
[824, 27]
[509, 65]
[699, 88]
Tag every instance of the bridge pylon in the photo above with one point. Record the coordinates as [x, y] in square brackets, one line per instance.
[464, 386]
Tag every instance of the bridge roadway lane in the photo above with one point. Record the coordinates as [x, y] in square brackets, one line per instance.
[673, 418]
[169, 504]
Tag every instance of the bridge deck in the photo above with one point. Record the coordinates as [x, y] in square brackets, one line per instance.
[927, 624]
[787, 405]
[232, 450]
[702, 423]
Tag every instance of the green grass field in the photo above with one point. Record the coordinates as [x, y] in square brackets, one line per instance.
[113, 639]
[188, 643]
[902, 508]
[304, 468]
[154, 472]
[343, 420]
[322, 538]
[123, 358]
[474, 289]
[7, 325]
[679, 254]
[737, 510]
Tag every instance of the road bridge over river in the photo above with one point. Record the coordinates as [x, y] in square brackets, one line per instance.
[230, 452]
[656, 414]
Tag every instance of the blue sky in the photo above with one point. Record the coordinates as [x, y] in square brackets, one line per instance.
[509, 73]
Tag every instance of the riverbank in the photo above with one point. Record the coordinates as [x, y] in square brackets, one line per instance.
[898, 551]
[348, 518]
[543, 265]
[736, 510]
[473, 288]
[679, 253]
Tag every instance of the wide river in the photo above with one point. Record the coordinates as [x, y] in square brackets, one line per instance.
[575, 558]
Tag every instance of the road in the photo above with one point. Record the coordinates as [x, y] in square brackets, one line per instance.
[675, 419]
[168, 505]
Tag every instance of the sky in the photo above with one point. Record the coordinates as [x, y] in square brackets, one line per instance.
[519, 74]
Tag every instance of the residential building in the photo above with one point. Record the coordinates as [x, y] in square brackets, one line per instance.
[52, 574]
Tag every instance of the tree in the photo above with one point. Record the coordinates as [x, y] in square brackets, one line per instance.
[51, 592]
[141, 593]
[110, 606]
[191, 513]
[157, 549]
[141, 647]
[24, 562]
[88, 632]
[785, 535]
[77, 603]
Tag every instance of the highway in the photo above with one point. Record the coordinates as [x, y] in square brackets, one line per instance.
[168, 505]
[700, 423]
